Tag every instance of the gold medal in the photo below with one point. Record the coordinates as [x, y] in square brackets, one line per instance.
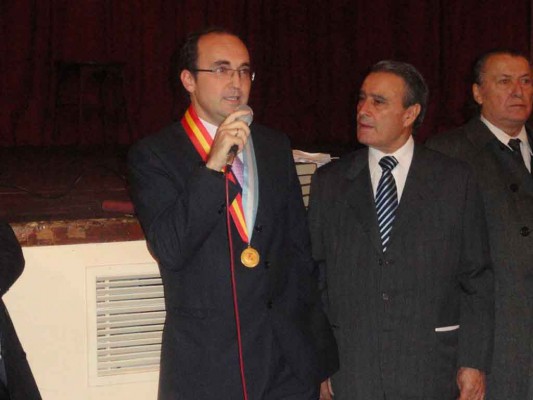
[250, 257]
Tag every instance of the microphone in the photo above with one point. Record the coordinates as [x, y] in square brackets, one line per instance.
[247, 118]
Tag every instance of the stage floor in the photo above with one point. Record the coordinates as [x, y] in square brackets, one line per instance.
[61, 183]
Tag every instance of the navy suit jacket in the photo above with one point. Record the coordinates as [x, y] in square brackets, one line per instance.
[180, 204]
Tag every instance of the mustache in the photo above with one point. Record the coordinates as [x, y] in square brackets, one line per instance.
[364, 120]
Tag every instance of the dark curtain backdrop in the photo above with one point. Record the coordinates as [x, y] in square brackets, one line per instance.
[310, 57]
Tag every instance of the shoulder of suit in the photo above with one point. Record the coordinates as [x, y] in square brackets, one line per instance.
[448, 137]
[267, 134]
[346, 162]
[443, 163]
[171, 132]
[463, 142]
[171, 138]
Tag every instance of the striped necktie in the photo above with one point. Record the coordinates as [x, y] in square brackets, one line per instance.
[386, 199]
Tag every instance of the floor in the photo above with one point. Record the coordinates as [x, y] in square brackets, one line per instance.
[63, 182]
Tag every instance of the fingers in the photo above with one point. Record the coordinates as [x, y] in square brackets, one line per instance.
[471, 383]
[231, 132]
[326, 392]
[330, 388]
[237, 116]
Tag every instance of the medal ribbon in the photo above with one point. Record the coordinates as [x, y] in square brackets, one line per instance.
[202, 142]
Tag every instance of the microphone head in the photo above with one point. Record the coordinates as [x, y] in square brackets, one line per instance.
[248, 118]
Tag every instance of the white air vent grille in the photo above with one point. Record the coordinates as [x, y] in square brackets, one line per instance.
[130, 313]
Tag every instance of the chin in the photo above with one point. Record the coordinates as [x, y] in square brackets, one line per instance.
[365, 138]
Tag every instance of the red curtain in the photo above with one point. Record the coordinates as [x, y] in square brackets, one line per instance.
[310, 57]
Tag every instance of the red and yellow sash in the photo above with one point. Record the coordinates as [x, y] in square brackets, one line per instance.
[202, 142]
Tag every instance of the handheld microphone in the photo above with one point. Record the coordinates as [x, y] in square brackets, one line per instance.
[247, 118]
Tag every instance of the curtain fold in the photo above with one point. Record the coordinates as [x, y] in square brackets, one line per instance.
[310, 58]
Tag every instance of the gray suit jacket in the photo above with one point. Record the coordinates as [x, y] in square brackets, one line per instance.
[507, 191]
[436, 273]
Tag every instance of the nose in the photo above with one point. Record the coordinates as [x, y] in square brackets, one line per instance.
[236, 79]
[362, 107]
[518, 90]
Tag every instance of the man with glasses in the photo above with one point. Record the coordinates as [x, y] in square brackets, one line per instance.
[252, 328]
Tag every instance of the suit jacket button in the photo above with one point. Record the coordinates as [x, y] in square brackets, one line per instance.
[267, 264]
[380, 261]
[525, 231]
[269, 304]
[513, 187]
[258, 228]
[222, 209]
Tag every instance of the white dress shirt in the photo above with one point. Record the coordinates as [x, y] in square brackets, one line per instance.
[404, 155]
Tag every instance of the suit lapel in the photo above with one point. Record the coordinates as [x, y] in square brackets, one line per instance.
[482, 138]
[265, 184]
[360, 198]
[417, 192]
[530, 140]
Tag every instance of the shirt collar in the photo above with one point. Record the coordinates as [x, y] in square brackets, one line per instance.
[404, 154]
[211, 129]
[504, 137]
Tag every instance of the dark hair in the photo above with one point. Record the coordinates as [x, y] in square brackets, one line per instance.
[479, 63]
[416, 89]
[188, 55]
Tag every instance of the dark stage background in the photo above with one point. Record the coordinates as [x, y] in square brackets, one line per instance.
[309, 56]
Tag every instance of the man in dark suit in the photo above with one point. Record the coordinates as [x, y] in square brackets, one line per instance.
[16, 378]
[179, 194]
[399, 231]
[503, 90]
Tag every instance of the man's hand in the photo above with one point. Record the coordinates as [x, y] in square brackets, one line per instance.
[326, 391]
[230, 132]
[471, 384]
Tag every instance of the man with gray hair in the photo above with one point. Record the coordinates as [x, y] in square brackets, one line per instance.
[398, 232]
[497, 144]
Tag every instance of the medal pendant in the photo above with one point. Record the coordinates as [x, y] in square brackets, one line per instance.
[250, 257]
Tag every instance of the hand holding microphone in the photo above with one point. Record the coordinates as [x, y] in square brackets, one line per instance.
[246, 118]
[231, 137]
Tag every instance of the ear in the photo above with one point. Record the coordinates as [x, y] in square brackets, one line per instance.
[188, 81]
[476, 92]
[411, 114]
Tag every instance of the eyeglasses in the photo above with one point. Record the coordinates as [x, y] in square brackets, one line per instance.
[225, 72]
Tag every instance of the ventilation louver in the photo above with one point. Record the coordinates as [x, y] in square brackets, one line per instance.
[130, 314]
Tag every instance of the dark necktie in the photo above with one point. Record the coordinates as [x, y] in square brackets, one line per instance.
[515, 145]
[386, 199]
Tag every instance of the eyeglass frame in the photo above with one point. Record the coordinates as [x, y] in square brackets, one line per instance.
[222, 67]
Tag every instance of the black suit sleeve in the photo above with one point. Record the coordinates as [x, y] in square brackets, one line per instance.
[11, 258]
[177, 209]
[476, 279]
[308, 278]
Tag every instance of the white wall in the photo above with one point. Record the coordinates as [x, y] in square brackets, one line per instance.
[48, 305]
